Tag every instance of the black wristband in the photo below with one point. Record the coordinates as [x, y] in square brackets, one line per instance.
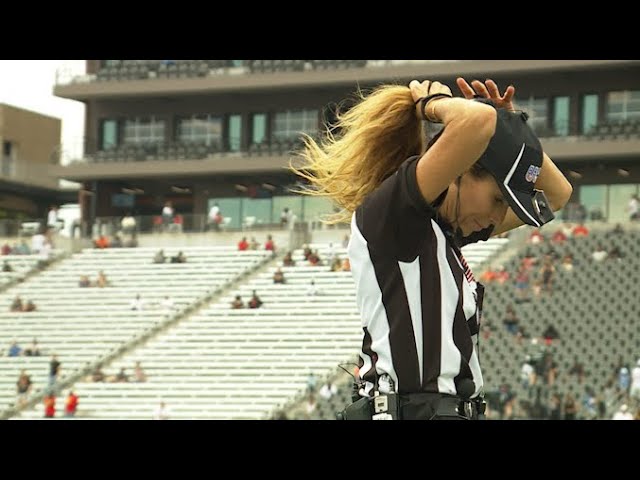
[425, 100]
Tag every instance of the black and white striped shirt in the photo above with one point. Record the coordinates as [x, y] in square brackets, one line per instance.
[417, 298]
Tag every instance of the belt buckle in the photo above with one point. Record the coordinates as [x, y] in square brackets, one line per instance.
[468, 409]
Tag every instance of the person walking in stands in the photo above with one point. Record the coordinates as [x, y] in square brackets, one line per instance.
[411, 210]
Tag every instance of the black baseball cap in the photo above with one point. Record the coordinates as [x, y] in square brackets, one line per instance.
[514, 158]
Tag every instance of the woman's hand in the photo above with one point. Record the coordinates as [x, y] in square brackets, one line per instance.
[427, 87]
[489, 90]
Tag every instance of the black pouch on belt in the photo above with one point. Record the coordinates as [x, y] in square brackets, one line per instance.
[358, 410]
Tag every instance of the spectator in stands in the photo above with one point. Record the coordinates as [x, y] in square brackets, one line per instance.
[29, 306]
[117, 241]
[278, 276]
[52, 218]
[522, 285]
[336, 264]
[577, 369]
[623, 413]
[138, 373]
[167, 215]
[506, 399]
[555, 407]
[137, 303]
[102, 281]
[345, 241]
[599, 254]
[71, 404]
[314, 259]
[567, 262]
[536, 237]
[254, 244]
[237, 303]
[14, 350]
[16, 305]
[559, 236]
[306, 252]
[102, 242]
[23, 388]
[22, 249]
[550, 334]
[624, 379]
[570, 407]
[128, 224]
[84, 281]
[288, 260]
[312, 382]
[285, 217]
[548, 273]
[179, 258]
[50, 405]
[527, 373]
[633, 208]
[270, 245]
[37, 242]
[214, 219]
[580, 230]
[502, 275]
[132, 242]
[488, 276]
[33, 350]
[6, 249]
[616, 232]
[511, 320]
[159, 257]
[178, 222]
[54, 369]
[6, 267]
[98, 375]
[346, 264]
[162, 412]
[615, 254]
[122, 376]
[328, 390]
[255, 301]
[243, 245]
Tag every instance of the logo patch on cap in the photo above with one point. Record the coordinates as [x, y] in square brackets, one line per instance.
[532, 174]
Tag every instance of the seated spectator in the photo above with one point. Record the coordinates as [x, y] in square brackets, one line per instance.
[537, 288]
[6, 267]
[502, 275]
[138, 373]
[179, 258]
[328, 390]
[314, 259]
[237, 303]
[529, 260]
[23, 387]
[50, 405]
[617, 230]
[22, 249]
[162, 412]
[488, 276]
[33, 350]
[255, 301]
[536, 237]
[288, 261]
[254, 244]
[159, 257]
[102, 281]
[16, 305]
[580, 230]
[336, 264]
[346, 264]
[243, 245]
[84, 281]
[599, 254]
[548, 274]
[615, 254]
[278, 276]
[29, 306]
[269, 244]
[117, 241]
[511, 320]
[128, 224]
[550, 334]
[6, 249]
[559, 236]
[522, 285]
[71, 404]
[14, 349]
[122, 376]
[567, 262]
[137, 303]
[577, 369]
[97, 375]
[102, 242]
[306, 252]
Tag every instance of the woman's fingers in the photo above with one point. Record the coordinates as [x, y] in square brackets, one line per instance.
[493, 89]
[465, 88]
[480, 89]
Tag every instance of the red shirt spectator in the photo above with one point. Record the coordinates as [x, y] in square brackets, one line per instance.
[559, 237]
[580, 231]
[243, 244]
[488, 276]
[50, 406]
[102, 242]
[536, 237]
[71, 405]
[6, 249]
[270, 245]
